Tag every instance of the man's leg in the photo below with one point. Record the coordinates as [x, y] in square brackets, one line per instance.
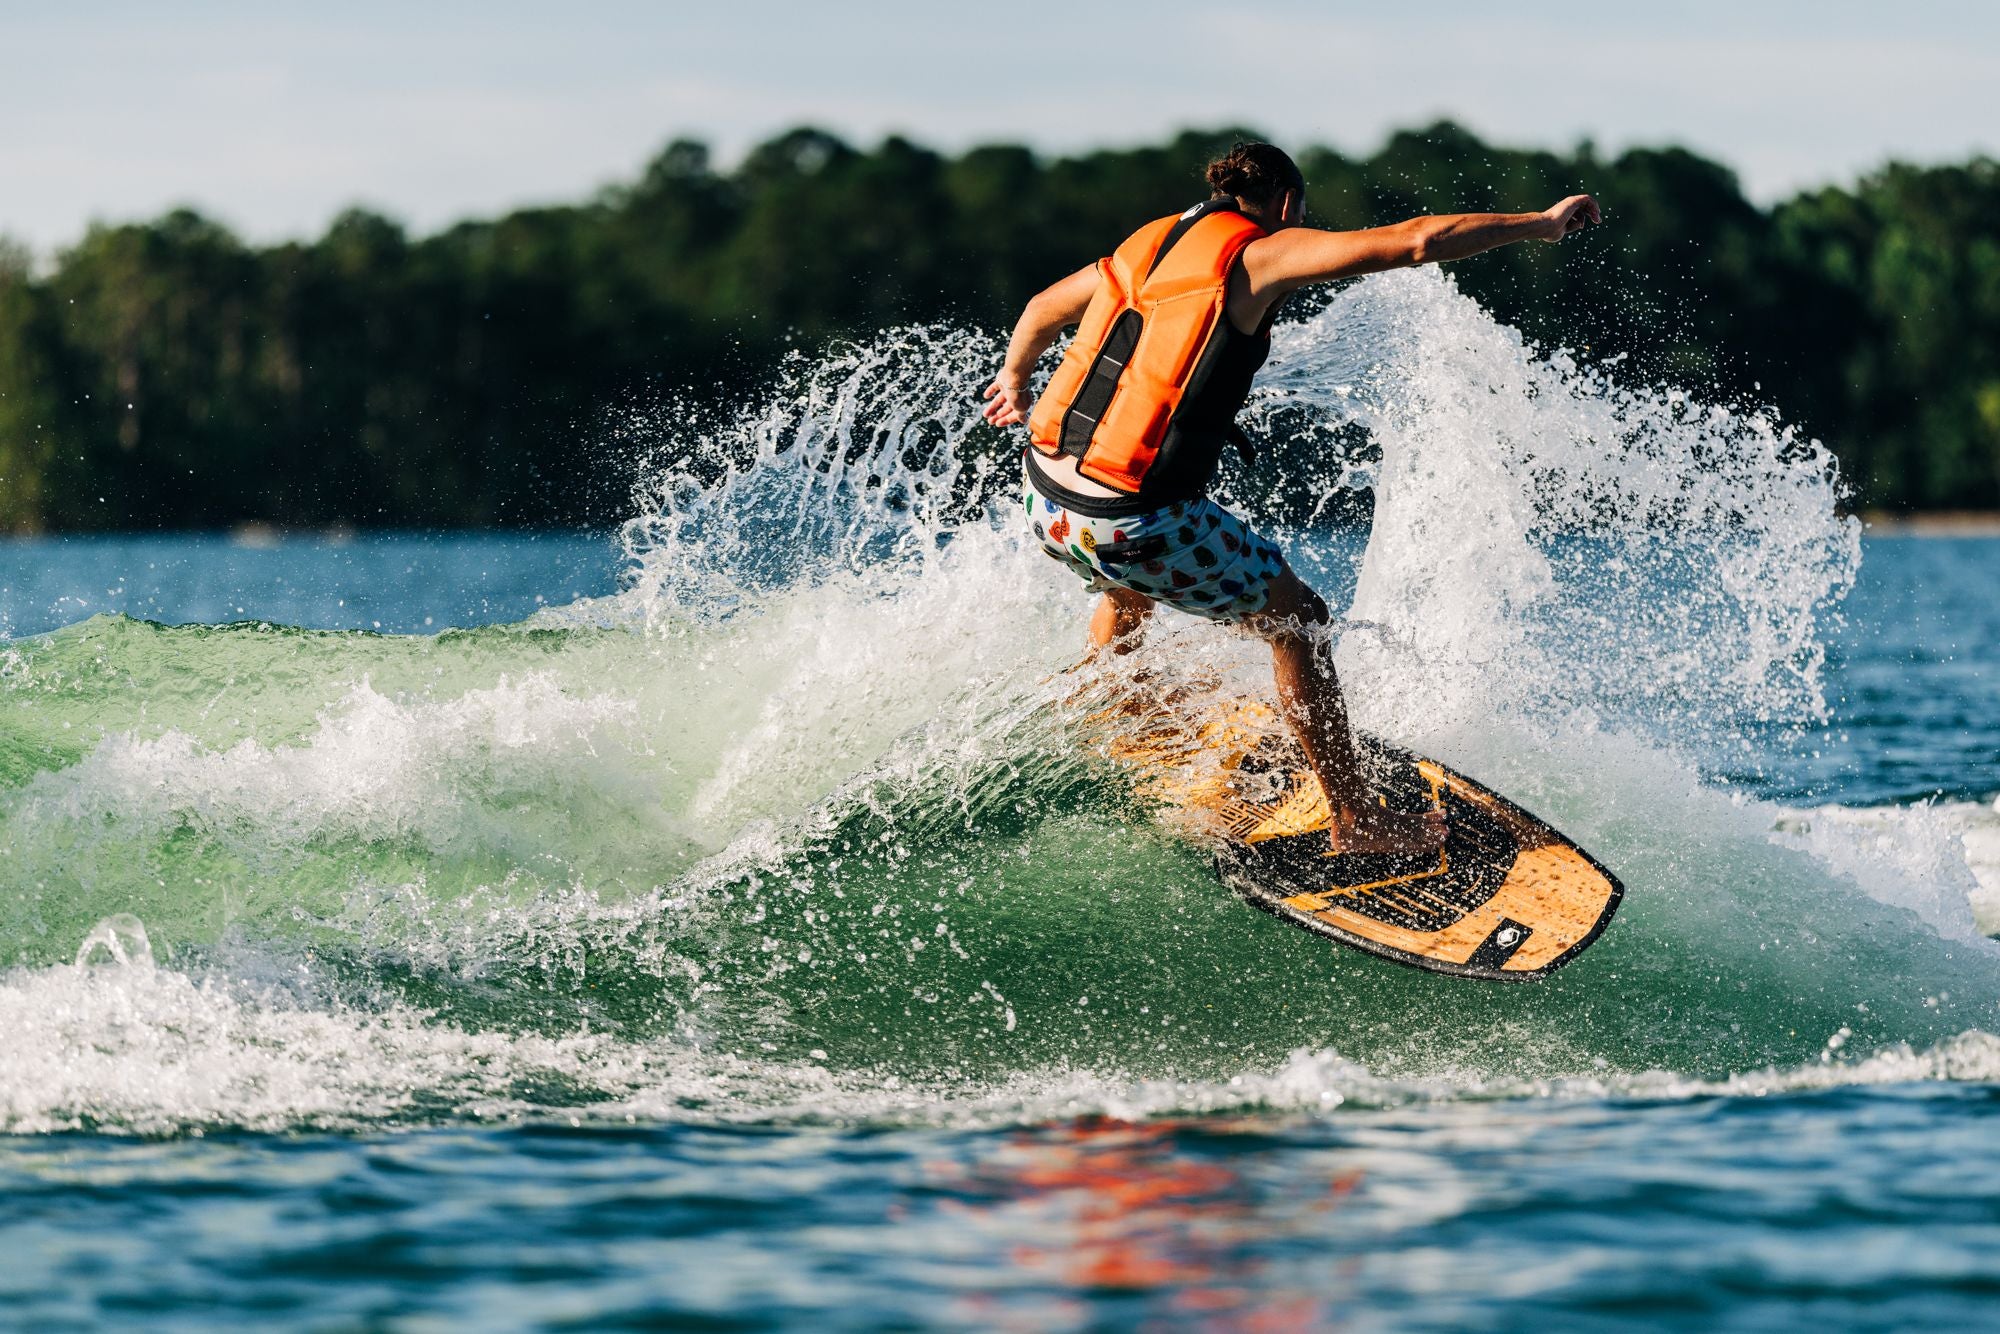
[1309, 695]
[1120, 616]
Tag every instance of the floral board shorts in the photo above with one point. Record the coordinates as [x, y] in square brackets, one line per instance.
[1193, 554]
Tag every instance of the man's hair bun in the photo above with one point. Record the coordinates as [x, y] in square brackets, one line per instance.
[1255, 173]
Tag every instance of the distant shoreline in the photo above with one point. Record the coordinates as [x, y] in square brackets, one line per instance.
[1934, 523]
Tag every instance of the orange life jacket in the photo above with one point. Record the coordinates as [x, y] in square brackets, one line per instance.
[1133, 390]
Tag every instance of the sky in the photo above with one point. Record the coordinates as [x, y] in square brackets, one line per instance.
[274, 117]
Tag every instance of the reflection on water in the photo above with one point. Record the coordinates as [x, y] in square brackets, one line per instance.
[1114, 1208]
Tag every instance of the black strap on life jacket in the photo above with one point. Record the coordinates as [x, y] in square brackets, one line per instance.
[1244, 444]
[1235, 434]
[1219, 204]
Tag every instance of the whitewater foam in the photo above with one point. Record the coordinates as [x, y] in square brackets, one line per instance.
[1940, 858]
[114, 1042]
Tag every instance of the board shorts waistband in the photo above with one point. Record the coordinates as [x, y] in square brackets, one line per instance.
[1098, 507]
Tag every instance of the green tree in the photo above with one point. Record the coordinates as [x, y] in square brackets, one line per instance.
[166, 374]
[30, 413]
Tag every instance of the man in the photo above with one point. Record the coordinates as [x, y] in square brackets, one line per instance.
[1127, 438]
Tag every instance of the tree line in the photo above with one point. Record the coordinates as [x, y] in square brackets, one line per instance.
[165, 374]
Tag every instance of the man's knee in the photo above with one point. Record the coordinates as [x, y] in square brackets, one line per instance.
[1119, 617]
[1129, 609]
[1129, 601]
[1292, 608]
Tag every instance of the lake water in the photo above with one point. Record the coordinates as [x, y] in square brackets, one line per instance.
[717, 923]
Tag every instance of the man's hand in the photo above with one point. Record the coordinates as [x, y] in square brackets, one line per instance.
[1572, 215]
[1007, 402]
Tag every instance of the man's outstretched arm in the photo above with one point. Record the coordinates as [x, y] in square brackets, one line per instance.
[1299, 256]
[1048, 313]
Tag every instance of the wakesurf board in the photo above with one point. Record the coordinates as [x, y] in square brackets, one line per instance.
[1507, 898]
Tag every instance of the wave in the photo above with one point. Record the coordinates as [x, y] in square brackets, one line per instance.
[118, 1043]
[794, 824]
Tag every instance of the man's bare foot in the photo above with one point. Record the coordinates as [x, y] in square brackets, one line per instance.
[1375, 829]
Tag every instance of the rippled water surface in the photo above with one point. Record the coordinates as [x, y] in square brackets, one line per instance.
[723, 921]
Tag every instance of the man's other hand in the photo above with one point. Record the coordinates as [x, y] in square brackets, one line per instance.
[1007, 402]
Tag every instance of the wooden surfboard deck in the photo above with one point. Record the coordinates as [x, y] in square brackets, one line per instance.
[1506, 899]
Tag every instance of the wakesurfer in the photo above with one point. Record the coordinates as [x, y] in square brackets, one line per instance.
[1127, 437]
